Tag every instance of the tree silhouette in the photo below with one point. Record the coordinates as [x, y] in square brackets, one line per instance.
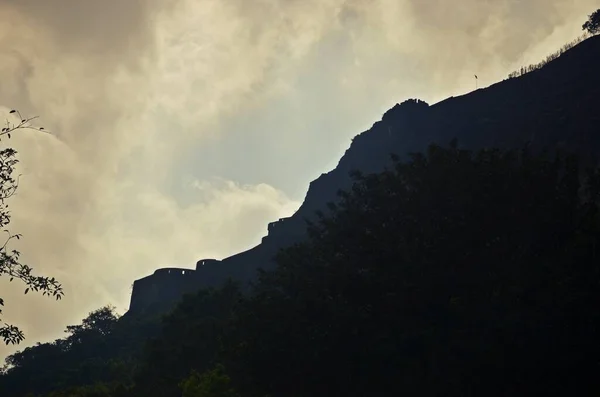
[452, 274]
[9, 259]
[592, 25]
[84, 357]
[212, 383]
[189, 340]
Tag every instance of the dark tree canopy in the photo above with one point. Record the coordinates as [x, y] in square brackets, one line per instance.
[95, 351]
[451, 274]
[592, 25]
[189, 341]
[454, 273]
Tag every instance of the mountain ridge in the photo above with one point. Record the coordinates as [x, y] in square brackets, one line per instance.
[549, 108]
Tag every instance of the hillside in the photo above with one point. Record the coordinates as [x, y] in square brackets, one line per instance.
[554, 107]
[550, 108]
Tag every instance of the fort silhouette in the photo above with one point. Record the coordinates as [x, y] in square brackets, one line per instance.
[553, 107]
[165, 287]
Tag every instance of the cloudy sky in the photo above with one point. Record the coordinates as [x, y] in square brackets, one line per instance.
[180, 128]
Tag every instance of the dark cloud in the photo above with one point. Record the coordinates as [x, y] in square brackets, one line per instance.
[110, 27]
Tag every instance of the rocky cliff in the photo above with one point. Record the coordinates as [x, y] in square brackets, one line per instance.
[557, 106]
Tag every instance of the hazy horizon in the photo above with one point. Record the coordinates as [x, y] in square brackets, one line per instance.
[181, 128]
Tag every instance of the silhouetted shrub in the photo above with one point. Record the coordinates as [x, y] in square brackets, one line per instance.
[528, 69]
[592, 25]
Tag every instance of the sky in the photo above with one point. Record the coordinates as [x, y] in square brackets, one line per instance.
[180, 128]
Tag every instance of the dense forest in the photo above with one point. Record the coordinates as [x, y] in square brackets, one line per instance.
[452, 273]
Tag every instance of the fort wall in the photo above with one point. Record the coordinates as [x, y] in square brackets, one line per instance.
[163, 287]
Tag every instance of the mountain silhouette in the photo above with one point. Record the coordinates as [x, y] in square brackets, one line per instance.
[555, 107]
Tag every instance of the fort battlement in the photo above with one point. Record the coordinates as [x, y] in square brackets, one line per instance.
[173, 272]
[204, 264]
[162, 288]
[273, 225]
[280, 227]
[167, 285]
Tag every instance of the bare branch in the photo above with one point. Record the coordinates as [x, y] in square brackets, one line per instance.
[24, 123]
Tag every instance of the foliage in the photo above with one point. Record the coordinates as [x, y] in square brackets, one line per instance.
[97, 390]
[451, 274]
[100, 322]
[533, 67]
[189, 341]
[105, 353]
[85, 357]
[592, 25]
[9, 259]
[212, 383]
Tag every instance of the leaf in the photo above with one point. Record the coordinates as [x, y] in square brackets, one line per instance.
[12, 111]
[26, 291]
